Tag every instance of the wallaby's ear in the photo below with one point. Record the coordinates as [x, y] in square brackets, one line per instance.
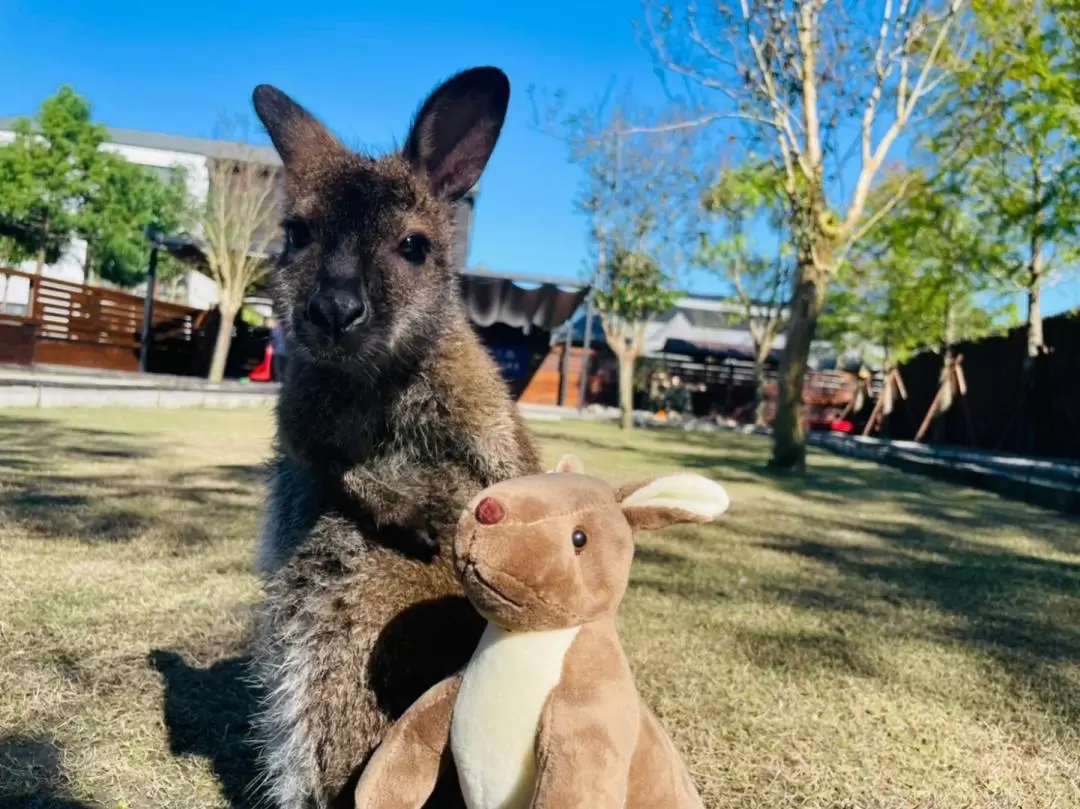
[570, 463]
[294, 131]
[455, 131]
[660, 502]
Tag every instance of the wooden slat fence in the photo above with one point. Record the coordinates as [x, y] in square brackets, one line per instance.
[51, 321]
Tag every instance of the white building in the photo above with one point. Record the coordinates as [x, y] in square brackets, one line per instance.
[161, 153]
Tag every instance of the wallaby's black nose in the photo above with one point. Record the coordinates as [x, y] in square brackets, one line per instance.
[335, 311]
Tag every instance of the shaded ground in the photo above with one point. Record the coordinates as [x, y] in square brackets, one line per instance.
[860, 638]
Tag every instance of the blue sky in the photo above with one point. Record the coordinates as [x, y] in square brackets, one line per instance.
[362, 67]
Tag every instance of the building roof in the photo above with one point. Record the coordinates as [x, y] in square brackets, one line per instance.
[179, 143]
[524, 278]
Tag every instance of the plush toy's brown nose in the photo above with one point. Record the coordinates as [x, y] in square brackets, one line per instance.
[489, 511]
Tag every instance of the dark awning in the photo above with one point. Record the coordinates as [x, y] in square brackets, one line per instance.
[716, 351]
[519, 301]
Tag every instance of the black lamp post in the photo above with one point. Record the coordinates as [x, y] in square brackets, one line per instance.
[155, 238]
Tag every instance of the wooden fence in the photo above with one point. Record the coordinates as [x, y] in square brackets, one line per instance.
[49, 321]
[992, 415]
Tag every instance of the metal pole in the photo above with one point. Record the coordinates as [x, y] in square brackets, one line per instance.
[564, 366]
[148, 308]
[585, 351]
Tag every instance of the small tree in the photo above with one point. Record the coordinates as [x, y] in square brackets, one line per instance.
[811, 81]
[236, 226]
[631, 290]
[637, 193]
[742, 198]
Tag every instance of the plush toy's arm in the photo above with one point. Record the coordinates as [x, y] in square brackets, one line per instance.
[589, 728]
[403, 771]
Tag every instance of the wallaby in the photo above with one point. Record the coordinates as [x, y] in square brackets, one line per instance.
[391, 417]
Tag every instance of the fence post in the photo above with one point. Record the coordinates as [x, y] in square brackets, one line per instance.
[148, 308]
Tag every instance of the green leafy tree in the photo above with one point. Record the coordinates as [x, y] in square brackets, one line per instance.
[1011, 136]
[127, 200]
[926, 278]
[748, 250]
[45, 177]
[810, 83]
[56, 183]
[631, 289]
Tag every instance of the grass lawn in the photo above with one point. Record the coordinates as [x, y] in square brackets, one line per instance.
[857, 639]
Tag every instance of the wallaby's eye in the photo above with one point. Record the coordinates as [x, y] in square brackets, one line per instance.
[579, 539]
[414, 248]
[297, 234]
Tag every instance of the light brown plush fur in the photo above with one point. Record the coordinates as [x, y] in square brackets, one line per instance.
[597, 744]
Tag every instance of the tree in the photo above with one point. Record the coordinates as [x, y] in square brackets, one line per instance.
[925, 278]
[45, 177]
[631, 289]
[744, 198]
[789, 74]
[1010, 133]
[56, 182]
[126, 201]
[635, 194]
[236, 227]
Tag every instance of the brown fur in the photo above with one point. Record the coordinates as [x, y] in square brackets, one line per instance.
[597, 743]
[384, 433]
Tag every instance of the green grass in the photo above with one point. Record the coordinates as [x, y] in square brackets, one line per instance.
[860, 638]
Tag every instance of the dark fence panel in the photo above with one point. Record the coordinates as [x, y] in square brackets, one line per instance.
[993, 371]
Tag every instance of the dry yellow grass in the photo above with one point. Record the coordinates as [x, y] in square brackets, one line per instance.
[858, 639]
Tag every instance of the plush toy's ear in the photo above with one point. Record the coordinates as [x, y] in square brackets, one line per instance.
[660, 502]
[570, 463]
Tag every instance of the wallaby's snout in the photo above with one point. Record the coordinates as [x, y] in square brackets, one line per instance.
[336, 312]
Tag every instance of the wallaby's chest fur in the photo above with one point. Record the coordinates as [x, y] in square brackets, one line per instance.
[497, 714]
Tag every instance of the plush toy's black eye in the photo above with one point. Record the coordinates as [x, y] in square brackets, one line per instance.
[414, 248]
[579, 539]
[297, 234]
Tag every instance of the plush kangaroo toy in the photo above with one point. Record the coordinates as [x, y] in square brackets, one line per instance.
[546, 714]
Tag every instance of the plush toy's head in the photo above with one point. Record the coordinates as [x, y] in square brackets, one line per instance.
[553, 551]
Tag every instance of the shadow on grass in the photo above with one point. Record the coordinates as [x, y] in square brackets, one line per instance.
[1019, 610]
[41, 487]
[919, 543]
[32, 775]
[208, 713]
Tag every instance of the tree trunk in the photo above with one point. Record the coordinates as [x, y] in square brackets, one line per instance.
[945, 377]
[41, 251]
[1036, 347]
[789, 439]
[1035, 344]
[626, 389]
[228, 311]
[88, 265]
[761, 353]
[759, 394]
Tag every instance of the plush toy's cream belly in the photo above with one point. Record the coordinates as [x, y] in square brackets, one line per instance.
[497, 713]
